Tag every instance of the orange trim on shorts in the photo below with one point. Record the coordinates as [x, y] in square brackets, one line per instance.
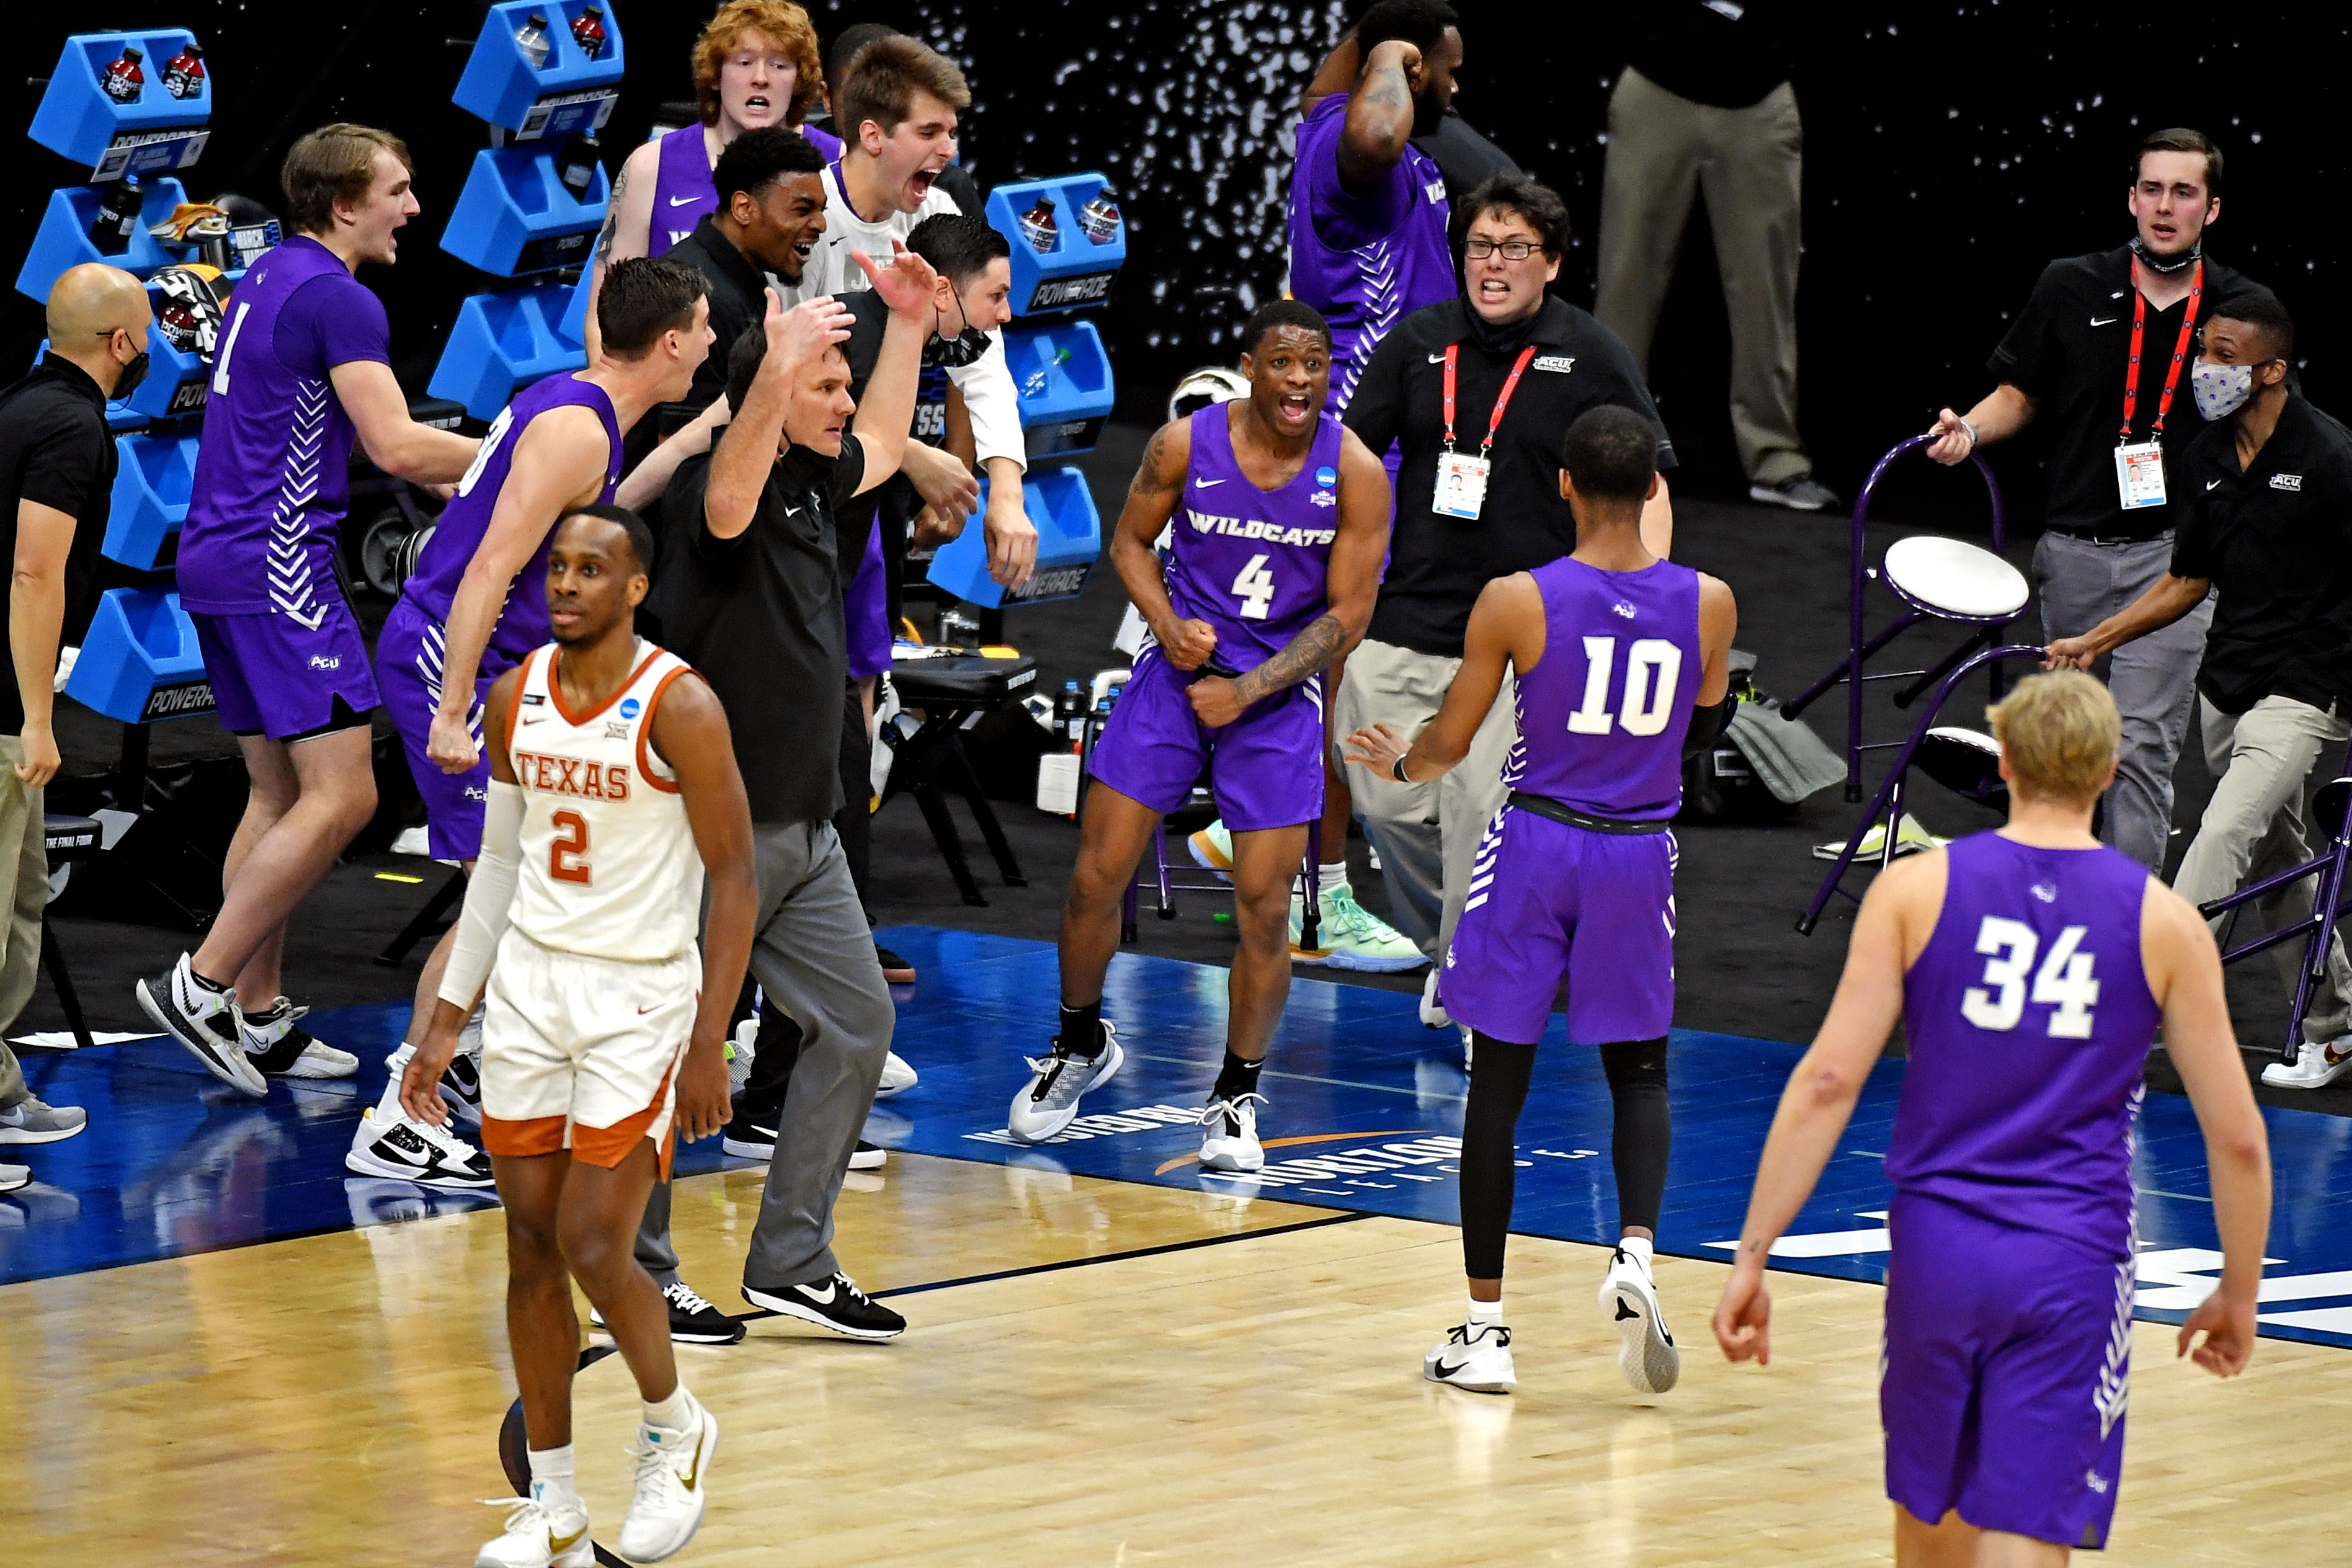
[645, 733]
[534, 1135]
[608, 1146]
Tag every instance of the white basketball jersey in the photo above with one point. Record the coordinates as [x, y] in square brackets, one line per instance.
[609, 865]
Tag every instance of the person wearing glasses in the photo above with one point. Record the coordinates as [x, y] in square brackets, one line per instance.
[57, 476]
[1475, 391]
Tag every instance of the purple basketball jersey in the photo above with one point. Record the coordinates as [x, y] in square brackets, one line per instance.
[522, 620]
[682, 188]
[1253, 563]
[1363, 258]
[272, 477]
[2029, 1018]
[1602, 714]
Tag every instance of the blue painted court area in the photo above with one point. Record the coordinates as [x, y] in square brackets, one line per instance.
[1366, 1107]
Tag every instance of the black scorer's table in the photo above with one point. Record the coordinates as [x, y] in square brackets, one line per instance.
[954, 693]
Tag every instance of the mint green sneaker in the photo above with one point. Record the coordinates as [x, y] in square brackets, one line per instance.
[1352, 936]
[1213, 850]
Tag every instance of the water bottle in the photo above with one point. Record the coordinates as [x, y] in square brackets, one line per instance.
[124, 79]
[117, 217]
[183, 74]
[578, 167]
[1098, 219]
[1037, 225]
[1034, 385]
[588, 32]
[1069, 712]
[532, 38]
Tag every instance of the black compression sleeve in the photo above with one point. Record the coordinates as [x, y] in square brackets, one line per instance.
[1707, 723]
[1499, 1073]
[1643, 1133]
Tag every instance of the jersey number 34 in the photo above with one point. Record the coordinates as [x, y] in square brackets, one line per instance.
[2064, 982]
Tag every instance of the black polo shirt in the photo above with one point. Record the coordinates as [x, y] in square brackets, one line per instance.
[2068, 349]
[2275, 539]
[760, 615]
[1437, 565]
[55, 451]
[1729, 57]
[739, 298]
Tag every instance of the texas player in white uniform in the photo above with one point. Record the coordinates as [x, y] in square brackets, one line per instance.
[613, 787]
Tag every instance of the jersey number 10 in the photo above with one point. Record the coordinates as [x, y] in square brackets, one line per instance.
[1652, 666]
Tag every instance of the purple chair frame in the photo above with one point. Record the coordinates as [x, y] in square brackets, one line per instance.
[2328, 904]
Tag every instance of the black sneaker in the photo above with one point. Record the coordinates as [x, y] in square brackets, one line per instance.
[869, 1156]
[692, 1319]
[896, 971]
[203, 1017]
[832, 1303]
[748, 1136]
[1802, 493]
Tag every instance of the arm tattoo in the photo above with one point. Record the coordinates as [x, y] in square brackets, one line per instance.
[1309, 651]
[1151, 478]
[612, 218]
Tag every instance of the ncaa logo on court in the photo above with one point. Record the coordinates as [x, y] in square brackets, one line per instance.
[630, 707]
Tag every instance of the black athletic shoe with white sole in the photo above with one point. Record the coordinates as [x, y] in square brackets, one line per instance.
[831, 1303]
[750, 1137]
[203, 1017]
[869, 1156]
[692, 1319]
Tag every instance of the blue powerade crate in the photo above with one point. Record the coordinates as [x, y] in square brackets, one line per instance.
[152, 132]
[153, 477]
[565, 93]
[515, 216]
[140, 661]
[1063, 377]
[502, 342]
[1061, 258]
[63, 239]
[1069, 539]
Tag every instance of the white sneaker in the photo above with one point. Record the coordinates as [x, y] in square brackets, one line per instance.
[1476, 1357]
[2316, 1066]
[1231, 1142]
[539, 1536]
[1213, 850]
[1433, 1012]
[1469, 1047]
[202, 1019]
[898, 1077]
[1350, 935]
[673, 1469]
[742, 1048]
[281, 1048]
[412, 1151]
[12, 1177]
[1049, 1101]
[1645, 1350]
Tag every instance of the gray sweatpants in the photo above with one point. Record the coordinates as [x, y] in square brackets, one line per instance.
[2263, 761]
[813, 956]
[2153, 679]
[1427, 834]
[25, 840]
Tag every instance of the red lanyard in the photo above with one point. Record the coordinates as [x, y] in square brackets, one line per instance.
[2179, 352]
[1502, 399]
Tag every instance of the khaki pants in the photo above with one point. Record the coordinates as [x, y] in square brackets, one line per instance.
[1427, 834]
[2262, 762]
[21, 831]
[1663, 150]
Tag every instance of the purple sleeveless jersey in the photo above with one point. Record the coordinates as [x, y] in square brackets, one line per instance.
[272, 477]
[2029, 1019]
[1363, 258]
[1253, 563]
[1602, 714]
[683, 191]
[522, 621]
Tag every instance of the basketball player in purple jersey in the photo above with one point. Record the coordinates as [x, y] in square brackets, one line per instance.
[476, 603]
[756, 64]
[301, 370]
[1622, 668]
[1275, 564]
[2031, 968]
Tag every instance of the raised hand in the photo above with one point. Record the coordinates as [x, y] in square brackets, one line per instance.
[906, 284]
[807, 330]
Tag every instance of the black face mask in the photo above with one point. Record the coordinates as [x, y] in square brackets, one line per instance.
[132, 375]
[954, 353]
[2165, 265]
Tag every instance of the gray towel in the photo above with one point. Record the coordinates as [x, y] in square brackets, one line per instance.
[1789, 758]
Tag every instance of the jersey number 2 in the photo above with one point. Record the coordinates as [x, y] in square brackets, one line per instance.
[567, 857]
[2064, 983]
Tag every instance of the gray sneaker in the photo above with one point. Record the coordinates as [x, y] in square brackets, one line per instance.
[15, 1176]
[1049, 1101]
[1803, 493]
[30, 1121]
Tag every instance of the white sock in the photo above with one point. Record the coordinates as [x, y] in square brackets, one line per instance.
[388, 1108]
[676, 1413]
[1329, 876]
[550, 1476]
[1636, 1248]
[1482, 1312]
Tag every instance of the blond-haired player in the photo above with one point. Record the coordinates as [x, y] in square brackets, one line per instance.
[613, 787]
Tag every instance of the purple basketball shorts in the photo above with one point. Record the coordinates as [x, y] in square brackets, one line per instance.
[271, 675]
[1550, 902]
[409, 655]
[2008, 1366]
[1265, 768]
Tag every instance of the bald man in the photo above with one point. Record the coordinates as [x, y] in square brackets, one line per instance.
[56, 473]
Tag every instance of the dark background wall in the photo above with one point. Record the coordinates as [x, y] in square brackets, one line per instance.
[1948, 155]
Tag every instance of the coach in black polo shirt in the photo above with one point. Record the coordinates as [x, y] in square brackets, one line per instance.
[56, 475]
[2067, 363]
[750, 594]
[1507, 339]
[2266, 524]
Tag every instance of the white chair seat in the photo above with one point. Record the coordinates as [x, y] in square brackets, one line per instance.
[1966, 761]
[1955, 580]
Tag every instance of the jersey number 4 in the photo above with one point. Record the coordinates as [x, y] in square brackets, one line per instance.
[1652, 667]
[1254, 586]
[2064, 983]
[567, 857]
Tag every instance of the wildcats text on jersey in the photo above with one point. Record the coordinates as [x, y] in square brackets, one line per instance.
[1255, 528]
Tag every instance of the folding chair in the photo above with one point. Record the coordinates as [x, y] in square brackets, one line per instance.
[2328, 903]
[1936, 579]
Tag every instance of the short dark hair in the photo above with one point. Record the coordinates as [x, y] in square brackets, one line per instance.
[960, 247]
[1530, 198]
[847, 44]
[2182, 139]
[744, 357]
[2262, 310]
[762, 156]
[1282, 313]
[1421, 23]
[643, 297]
[1611, 454]
[641, 537]
[883, 79]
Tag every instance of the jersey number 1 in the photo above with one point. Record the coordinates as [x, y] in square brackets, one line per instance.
[567, 857]
[2064, 982]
